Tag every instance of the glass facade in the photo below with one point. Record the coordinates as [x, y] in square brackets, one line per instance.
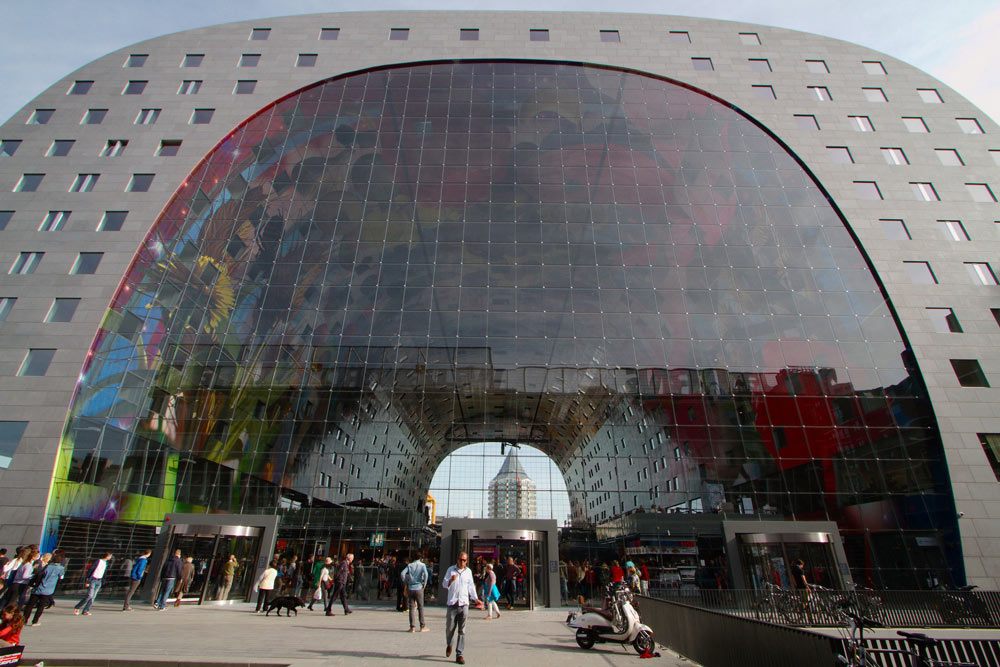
[622, 272]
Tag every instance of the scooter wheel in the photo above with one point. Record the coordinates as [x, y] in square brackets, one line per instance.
[643, 643]
[585, 638]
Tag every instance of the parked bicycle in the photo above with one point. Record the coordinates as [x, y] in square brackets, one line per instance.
[858, 654]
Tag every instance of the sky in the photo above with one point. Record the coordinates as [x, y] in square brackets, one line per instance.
[459, 483]
[956, 41]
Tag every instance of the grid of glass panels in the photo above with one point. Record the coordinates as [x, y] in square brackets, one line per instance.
[618, 271]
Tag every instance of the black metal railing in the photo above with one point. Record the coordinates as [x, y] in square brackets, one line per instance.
[819, 608]
[981, 652]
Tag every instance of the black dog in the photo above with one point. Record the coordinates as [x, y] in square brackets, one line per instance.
[286, 602]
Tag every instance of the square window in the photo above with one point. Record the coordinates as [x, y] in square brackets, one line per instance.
[679, 37]
[5, 218]
[929, 96]
[817, 67]
[981, 273]
[981, 193]
[399, 34]
[136, 60]
[995, 154]
[969, 125]
[329, 33]
[114, 148]
[54, 221]
[949, 157]
[944, 320]
[867, 190]
[873, 67]
[260, 34]
[36, 362]
[920, 273]
[9, 146]
[249, 60]
[915, 124]
[821, 93]
[468, 34]
[806, 122]
[29, 183]
[306, 60]
[6, 304]
[40, 116]
[10, 437]
[147, 116]
[764, 92]
[202, 116]
[80, 88]
[134, 87]
[189, 87]
[702, 64]
[538, 35]
[93, 117]
[991, 447]
[954, 230]
[759, 64]
[895, 230]
[60, 147]
[861, 123]
[969, 373]
[750, 38]
[244, 87]
[925, 191]
[193, 60]
[62, 310]
[112, 221]
[610, 36]
[84, 182]
[140, 183]
[840, 154]
[168, 148]
[86, 263]
[996, 315]
[894, 156]
[874, 94]
[26, 263]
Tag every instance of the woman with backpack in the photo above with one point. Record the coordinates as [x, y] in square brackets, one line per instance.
[48, 576]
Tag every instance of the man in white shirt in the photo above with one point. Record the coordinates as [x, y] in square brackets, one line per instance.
[461, 589]
[95, 579]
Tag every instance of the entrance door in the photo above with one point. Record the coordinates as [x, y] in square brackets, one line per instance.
[528, 587]
[210, 548]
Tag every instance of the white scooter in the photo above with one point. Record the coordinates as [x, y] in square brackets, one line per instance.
[619, 622]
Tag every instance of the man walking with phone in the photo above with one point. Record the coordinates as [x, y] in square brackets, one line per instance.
[461, 589]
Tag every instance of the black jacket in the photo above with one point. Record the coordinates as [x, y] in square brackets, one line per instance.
[172, 568]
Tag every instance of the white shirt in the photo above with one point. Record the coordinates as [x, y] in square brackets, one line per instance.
[265, 582]
[99, 569]
[462, 589]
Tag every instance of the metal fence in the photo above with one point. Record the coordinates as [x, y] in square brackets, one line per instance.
[715, 638]
[901, 609]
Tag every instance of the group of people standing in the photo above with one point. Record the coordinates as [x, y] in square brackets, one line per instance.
[589, 580]
[28, 583]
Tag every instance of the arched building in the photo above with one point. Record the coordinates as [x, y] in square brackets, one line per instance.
[286, 266]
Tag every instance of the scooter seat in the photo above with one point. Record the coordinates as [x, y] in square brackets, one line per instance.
[600, 612]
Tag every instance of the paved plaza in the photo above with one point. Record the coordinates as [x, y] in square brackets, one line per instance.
[373, 634]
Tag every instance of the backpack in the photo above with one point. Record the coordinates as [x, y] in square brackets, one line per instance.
[37, 576]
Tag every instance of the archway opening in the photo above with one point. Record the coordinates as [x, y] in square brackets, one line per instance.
[496, 480]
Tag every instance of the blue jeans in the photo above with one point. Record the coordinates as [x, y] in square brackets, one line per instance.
[166, 587]
[93, 588]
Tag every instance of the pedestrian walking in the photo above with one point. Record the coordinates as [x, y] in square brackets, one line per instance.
[461, 590]
[324, 584]
[492, 593]
[510, 574]
[340, 585]
[135, 576]
[228, 572]
[187, 576]
[94, 581]
[415, 579]
[265, 586]
[169, 575]
[41, 595]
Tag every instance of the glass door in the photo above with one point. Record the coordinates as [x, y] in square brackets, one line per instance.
[538, 584]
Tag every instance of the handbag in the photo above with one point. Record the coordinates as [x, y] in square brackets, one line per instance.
[494, 594]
